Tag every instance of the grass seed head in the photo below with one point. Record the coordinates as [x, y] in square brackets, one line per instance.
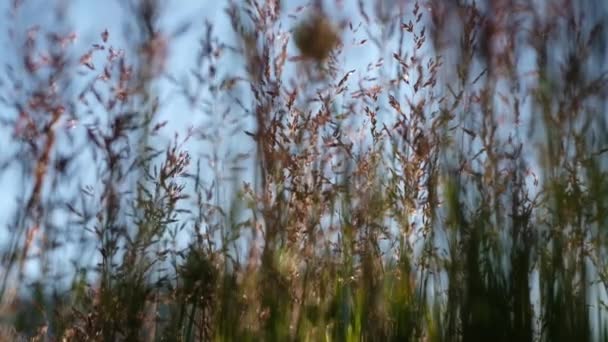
[316, 37]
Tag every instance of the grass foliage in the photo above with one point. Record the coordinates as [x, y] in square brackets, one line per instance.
[453, 187]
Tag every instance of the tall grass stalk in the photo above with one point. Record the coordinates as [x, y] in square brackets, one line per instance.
[452, 187]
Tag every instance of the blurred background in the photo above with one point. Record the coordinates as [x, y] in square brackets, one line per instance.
[292, 170]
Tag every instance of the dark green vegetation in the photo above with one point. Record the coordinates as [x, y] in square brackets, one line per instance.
[453, 187]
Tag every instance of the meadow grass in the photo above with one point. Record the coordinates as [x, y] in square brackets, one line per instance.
[454, 189]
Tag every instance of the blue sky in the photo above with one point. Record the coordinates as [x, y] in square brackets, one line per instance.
[88, 19]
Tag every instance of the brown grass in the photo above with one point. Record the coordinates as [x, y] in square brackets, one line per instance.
[450, 188]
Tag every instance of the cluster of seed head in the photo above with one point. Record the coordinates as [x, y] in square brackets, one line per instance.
[316, 37]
